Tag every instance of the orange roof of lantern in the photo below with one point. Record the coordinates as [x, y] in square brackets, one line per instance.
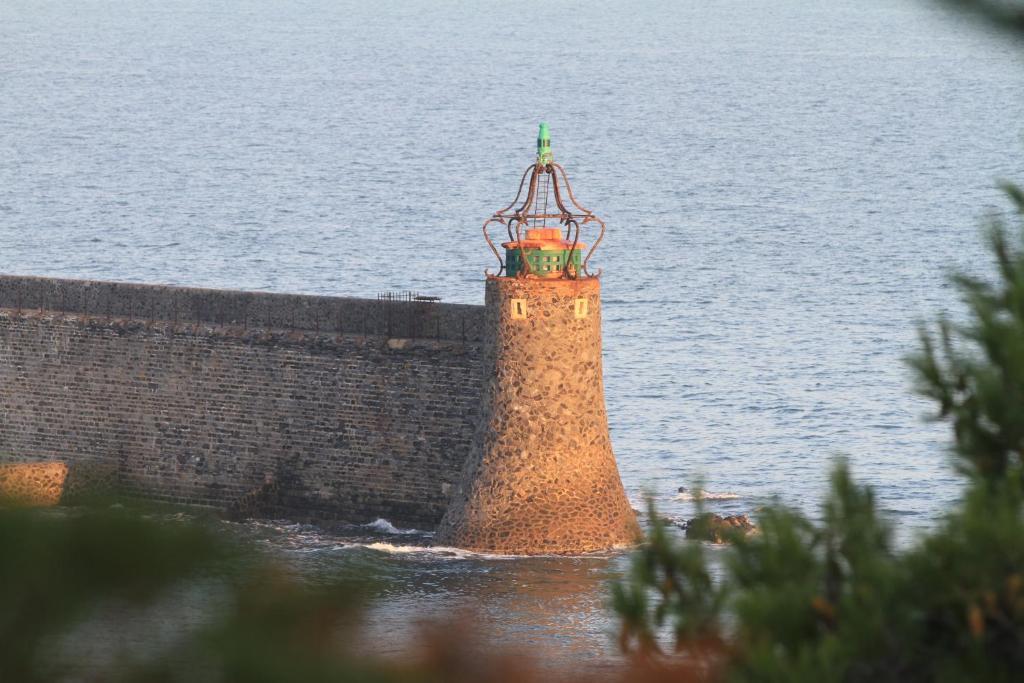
[545, 239]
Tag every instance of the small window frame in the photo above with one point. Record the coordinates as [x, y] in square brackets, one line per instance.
[581, 308]
[519, 309]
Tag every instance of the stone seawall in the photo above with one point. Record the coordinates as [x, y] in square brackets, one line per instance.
[325, 314]
[270, 404]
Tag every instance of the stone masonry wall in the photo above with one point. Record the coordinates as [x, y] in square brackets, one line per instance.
[289, 405]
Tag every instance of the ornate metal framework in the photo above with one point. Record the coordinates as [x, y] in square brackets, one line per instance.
[546, 181]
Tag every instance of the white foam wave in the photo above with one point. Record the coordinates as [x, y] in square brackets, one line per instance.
[383, 526]
[423, 549]
[701, 494]
[433, 551]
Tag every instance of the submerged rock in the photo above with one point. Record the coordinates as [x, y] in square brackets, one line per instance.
[718, 529]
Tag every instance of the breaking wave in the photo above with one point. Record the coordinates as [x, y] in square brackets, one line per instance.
[436, 552]
[701, 494]
[383, 526]
[432, 551]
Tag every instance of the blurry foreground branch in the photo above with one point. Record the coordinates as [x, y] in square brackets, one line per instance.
[1004, 14]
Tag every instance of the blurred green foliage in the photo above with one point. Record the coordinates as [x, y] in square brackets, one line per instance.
[61, 570]
[1003, 14]
[54, 565]
[835, 600]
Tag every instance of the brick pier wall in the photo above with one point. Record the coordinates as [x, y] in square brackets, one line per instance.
[307, 407]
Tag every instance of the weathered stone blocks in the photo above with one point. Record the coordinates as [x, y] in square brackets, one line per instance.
[32, 483]
[308, 407]
[541, 476]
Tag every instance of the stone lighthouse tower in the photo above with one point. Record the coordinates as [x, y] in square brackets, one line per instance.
[541, 476]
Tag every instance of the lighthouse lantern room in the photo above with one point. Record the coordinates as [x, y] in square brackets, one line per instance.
[544, 227]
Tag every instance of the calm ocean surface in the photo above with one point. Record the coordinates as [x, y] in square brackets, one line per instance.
[786, 184]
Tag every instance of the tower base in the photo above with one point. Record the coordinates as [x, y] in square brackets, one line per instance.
[541, 476]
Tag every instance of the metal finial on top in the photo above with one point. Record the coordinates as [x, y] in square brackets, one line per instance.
[544, 155]
[546, 252]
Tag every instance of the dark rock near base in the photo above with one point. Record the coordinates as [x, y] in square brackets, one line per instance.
[717, 529]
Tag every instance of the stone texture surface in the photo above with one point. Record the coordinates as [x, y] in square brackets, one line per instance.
[32, 483]
[261, 404]
[541, 476]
